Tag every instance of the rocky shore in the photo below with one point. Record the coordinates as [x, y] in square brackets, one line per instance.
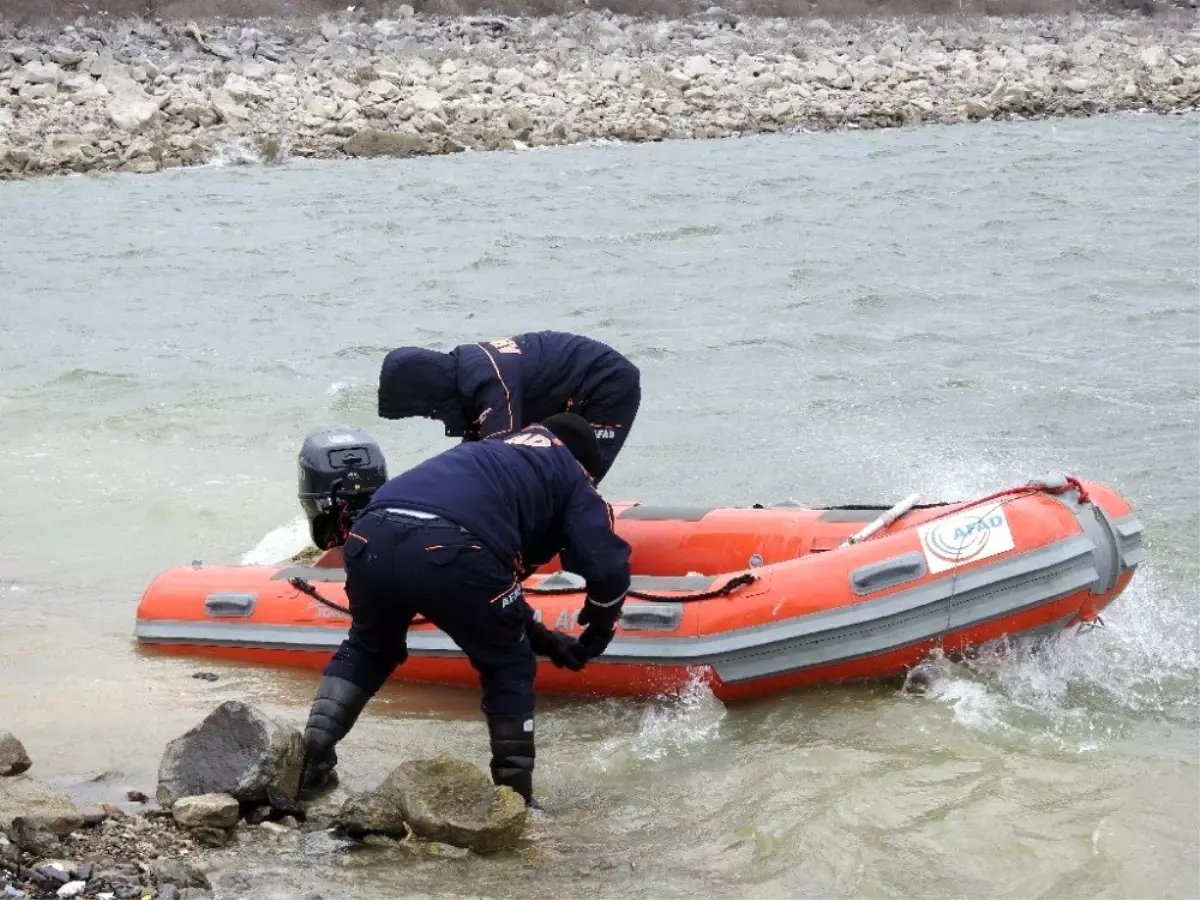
[224, 784]
[139, 96]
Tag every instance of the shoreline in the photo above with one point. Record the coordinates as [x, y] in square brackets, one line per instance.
[139, 96]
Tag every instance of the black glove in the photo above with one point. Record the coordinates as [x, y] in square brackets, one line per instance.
[595, 639]
[601, 622]
[561, 649]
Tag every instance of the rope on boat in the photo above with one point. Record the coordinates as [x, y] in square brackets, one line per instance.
[728, 587]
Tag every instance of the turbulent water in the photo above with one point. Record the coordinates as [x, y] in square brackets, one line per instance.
[828, 318]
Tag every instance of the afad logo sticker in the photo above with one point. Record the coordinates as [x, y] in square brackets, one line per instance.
[965, 537]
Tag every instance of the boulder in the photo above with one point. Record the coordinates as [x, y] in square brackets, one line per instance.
[32, 840]
[206, 811]
[426, 100]
[370, 142]
[178, 873]
[224, 104]
[383, 88]
[236, 750]
[825, 71]
[21, 797]
[452, 801]
[64, 147]
[66, 57]
[131, 113]
[13, 758]
[42, 73]
[698, 67]
[242, 89]
[44, 91]
[322, 107]
[1150, 57]
[510, 77]
[371, 813]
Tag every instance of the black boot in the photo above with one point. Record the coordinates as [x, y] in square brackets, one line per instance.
[334, 712]
[513, 753]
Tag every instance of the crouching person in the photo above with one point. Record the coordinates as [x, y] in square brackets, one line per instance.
[452, 539]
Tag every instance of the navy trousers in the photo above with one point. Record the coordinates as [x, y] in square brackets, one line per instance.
[399, 565]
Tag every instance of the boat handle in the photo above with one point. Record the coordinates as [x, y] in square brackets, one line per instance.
[652, 617]
[887, 573]
[230, 604]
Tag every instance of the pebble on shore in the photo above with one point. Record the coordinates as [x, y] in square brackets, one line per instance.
[140, 96]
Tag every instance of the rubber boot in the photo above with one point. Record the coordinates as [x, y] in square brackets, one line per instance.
[334, 711]
[513, 753]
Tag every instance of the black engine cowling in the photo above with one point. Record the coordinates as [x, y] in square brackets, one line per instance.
[340, 469]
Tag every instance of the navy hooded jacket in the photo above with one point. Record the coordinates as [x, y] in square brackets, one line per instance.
[526, 498]
[497, 387]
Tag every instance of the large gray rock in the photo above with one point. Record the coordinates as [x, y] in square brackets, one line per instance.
[13, 758]
[178, 873]
[42, 73]
[207, 811]
[237, 750]
[131, 113]
[373, 812]
[370, 142]
[21, 797]
[452, 801]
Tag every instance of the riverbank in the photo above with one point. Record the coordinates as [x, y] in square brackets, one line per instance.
[230, 782]
[142, 96]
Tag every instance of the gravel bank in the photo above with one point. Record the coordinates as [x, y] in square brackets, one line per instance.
[142, 96]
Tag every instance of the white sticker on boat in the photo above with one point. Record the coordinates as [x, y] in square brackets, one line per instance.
[965, 537]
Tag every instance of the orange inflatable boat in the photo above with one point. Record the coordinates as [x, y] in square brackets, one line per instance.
[750, 600]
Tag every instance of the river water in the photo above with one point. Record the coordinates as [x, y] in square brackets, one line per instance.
[831, 318]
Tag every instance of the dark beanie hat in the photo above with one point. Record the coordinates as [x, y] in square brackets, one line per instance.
[576, 432]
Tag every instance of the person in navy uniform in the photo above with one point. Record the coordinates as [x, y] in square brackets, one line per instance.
[452, 539]
[496, 387]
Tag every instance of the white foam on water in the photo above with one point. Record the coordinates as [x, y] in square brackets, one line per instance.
[278, 544]
[1078, 689]
[973, 705]
[673, 724]
[241, 152]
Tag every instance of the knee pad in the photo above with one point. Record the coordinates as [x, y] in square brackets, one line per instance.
[334, 711]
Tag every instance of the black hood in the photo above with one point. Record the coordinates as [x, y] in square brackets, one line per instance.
[576, 432]
[414, 381]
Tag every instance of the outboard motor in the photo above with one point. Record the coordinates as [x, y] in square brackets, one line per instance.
[340, 469]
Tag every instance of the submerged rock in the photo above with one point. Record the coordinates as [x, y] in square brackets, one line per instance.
[13, 758]
[23, 798]
[237, 750]
[442, 799]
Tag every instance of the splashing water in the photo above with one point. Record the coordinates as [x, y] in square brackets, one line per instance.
[278, 543]
[674, 724]
[1081, 689]
[241, 152]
